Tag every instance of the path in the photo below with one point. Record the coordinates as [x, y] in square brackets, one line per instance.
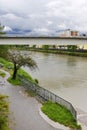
[82, 118]
[24, 110]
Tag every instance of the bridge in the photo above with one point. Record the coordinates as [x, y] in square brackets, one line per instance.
[43, 40]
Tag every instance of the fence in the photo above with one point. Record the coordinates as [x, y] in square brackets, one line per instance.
[47, 95]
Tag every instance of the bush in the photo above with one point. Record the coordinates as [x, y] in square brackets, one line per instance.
[36, 80]
[2, 74]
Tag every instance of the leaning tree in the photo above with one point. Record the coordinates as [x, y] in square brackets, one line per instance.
[20, 59]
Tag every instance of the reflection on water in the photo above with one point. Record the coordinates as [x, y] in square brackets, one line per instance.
[71, 61]
[64, 75]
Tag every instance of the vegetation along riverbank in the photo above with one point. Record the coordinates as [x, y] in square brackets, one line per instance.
[9, 65]
[12, 59]
[72, 50]
[4, 113]
[60, 114]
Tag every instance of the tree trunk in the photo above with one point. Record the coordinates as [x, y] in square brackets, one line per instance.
[15, 72]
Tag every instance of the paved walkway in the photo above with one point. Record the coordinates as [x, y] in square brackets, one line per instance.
[82, 118]
[25, 111]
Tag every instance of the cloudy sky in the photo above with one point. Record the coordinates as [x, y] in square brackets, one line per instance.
[43, 17]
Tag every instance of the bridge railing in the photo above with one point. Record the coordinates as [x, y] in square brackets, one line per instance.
[47, 95]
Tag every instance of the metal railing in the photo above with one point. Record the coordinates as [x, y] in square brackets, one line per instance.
[47, 95]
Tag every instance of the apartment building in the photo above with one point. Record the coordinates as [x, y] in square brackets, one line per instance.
[70, 33]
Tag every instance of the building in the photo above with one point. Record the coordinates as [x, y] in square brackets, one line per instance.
[70, 33]
[74, 33]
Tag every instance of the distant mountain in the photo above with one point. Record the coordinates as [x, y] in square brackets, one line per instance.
[16, 31]
[31, 33]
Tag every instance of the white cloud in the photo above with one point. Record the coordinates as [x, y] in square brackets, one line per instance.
[41, 31]
[49, 23]
[61, 26]
[43, 15]
[10, 16]
[12, 20]
[71, 14]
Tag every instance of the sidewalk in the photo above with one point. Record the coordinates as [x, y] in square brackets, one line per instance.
[82, 118]
[26, 113]
[24, 110]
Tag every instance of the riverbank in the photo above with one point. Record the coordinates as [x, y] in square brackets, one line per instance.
[14, 91]
[62, 52]
[60, 114]
[24, 110]
[12, 83]
[19, 99]
[8, 66]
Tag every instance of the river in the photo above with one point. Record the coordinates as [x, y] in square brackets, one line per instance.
[65, 76]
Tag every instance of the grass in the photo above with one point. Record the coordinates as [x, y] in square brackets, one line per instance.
[14, 82]
[72, 53]
[31, 93]
[25, 75]
[2, 74]
[21, 72]
[4, 112]
[8, 66]
[60, 114]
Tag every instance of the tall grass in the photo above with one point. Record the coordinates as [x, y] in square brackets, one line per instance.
[4, 112]
[2, 74]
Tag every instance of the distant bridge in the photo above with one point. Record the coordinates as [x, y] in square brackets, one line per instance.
[43, 40]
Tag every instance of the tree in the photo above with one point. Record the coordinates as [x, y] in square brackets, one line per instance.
[45, 47]
[34, 46]
[1, 30]
[72, 47]
[20, 59]
[3, 50]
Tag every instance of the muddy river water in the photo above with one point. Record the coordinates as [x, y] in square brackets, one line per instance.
[65, 76]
